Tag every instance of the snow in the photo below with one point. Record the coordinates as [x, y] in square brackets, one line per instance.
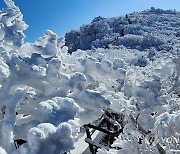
[2, 151]
[83, 147]
[51, 88]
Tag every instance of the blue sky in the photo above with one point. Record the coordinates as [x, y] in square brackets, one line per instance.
[61, 16]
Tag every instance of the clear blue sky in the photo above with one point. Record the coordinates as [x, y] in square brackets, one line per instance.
[61, 16]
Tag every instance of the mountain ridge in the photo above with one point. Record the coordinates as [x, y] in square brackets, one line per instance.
[142, 30]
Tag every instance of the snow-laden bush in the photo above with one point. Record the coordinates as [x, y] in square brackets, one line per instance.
[12, 27]
[47, 94]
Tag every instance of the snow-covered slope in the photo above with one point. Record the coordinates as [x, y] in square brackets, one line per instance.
[130, 64]
[143, 30]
